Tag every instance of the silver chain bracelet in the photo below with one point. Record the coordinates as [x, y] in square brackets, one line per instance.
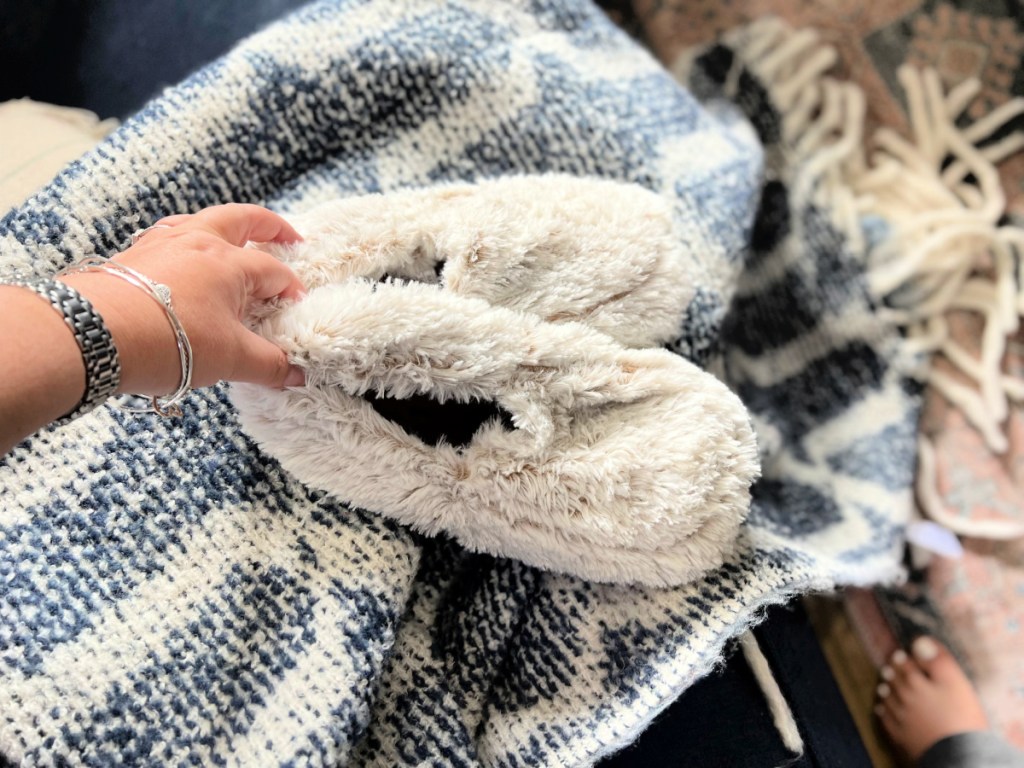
[168, 405]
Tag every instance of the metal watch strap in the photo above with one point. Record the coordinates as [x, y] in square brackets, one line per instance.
[102, 367]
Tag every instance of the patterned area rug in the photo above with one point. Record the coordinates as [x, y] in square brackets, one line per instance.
[171, 595]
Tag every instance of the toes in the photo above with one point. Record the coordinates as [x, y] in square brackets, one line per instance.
[882, 713]
[926, 650]
[900, 665]
[906, 675]
[888, 705]
[888, 700]
[888, 713]
[934, 659]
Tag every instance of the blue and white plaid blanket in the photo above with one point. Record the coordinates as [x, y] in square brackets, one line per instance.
[169, 596]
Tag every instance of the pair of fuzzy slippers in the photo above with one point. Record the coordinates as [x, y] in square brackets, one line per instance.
[483, 360]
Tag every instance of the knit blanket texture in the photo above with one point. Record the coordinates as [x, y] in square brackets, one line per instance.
[169, 595]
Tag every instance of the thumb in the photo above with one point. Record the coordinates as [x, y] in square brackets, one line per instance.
[262, 362]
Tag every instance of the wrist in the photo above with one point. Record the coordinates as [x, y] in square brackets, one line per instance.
[144, 339]
[53, 383]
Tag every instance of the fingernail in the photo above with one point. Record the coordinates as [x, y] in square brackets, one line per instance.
[924, 648]
[887, 673]
[883, 691]
[899, 657]
[296, 377]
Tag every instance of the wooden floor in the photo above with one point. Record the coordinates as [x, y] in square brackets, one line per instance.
[853, 671]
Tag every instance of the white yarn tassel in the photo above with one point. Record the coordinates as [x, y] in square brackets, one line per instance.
[946, 250]
[782, 715]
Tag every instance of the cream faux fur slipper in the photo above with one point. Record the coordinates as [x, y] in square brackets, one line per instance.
[547, 297]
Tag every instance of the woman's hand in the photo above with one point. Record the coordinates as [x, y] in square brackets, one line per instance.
[213, 282]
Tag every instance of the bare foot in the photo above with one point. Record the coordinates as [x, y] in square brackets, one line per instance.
[926, 697]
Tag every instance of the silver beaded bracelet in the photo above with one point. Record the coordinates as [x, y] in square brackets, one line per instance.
[161, 294]
[102, 366]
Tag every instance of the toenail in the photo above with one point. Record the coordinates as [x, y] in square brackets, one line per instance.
[887, 673]
[925, 649]
[899, 657]
[883, 691]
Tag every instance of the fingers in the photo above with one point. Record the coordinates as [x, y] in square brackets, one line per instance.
[174, 220]
[215, 282]
[269, 278]
[239, 223]
[266, 277]
[261, 362]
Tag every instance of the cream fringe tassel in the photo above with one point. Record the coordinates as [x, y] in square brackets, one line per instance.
[782, 715]
[944, 249]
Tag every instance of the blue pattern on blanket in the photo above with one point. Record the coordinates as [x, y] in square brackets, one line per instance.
[171, 596]
[867, 458]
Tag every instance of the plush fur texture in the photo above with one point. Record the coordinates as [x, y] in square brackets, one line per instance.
[625, 465]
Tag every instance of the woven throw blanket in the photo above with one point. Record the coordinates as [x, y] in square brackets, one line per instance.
[171, 595]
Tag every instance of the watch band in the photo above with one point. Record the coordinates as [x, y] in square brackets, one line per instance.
[102, 367]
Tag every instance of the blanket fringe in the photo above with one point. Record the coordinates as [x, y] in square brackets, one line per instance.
[938, 201]
[782, 715]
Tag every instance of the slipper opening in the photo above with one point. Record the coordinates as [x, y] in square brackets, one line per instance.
[433, 422]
